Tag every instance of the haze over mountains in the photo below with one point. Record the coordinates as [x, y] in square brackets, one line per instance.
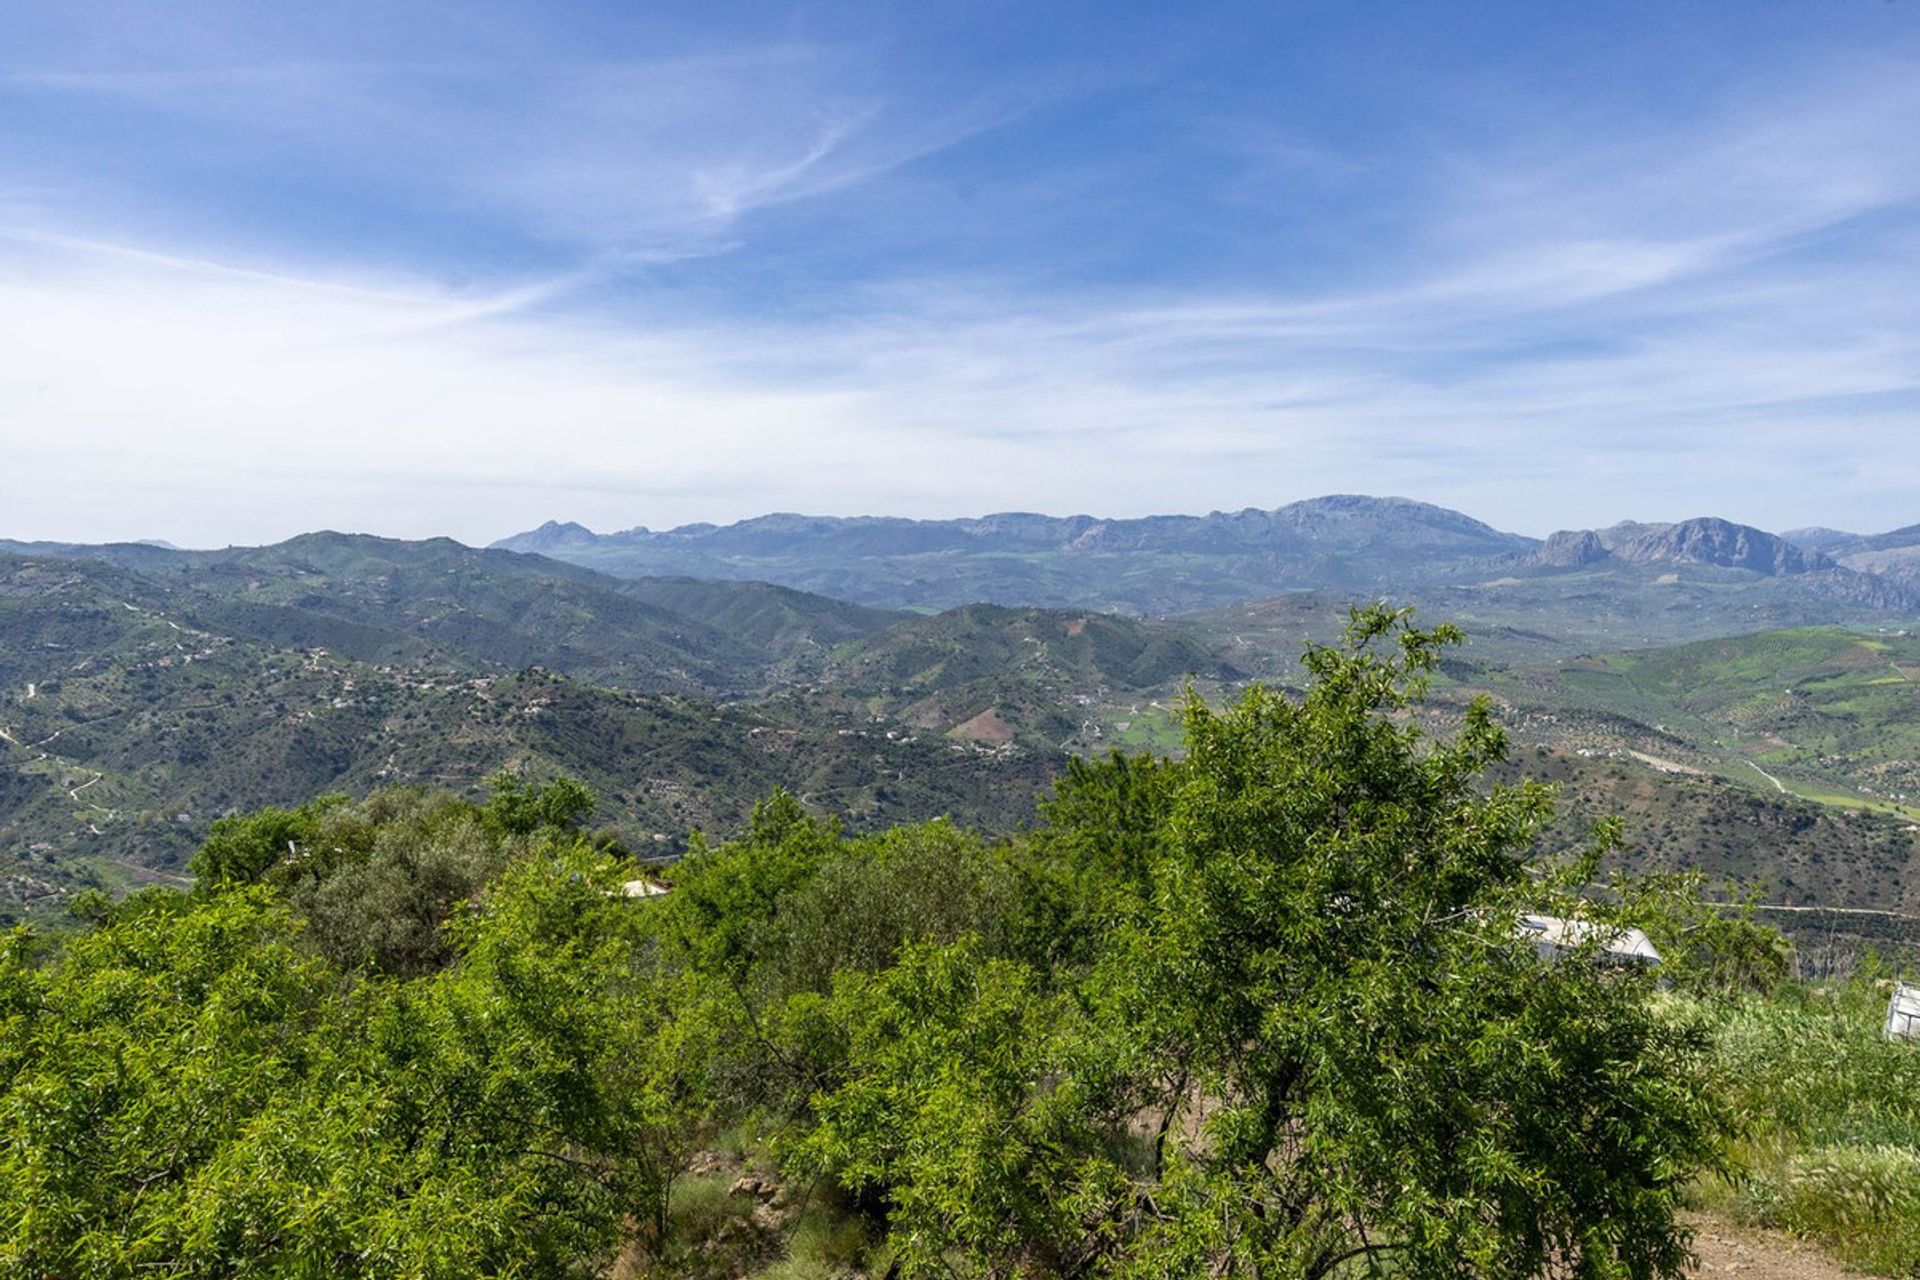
[1178, 564]
[1895, 554]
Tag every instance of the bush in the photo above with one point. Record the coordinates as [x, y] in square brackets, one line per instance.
[387, 911]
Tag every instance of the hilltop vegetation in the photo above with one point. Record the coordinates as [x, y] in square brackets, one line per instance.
[757, 1074]
[1263, 1010]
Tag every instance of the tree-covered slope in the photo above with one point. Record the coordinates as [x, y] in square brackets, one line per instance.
[990, 674]
[134, 709]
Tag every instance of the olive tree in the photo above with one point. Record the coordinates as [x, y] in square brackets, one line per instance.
[1314, 1040]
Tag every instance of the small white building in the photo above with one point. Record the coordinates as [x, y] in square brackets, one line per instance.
[644, 889]
[1903, 1012]
[1553, 935]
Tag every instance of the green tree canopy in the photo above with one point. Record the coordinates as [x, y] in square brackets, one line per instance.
[1265, 1010]
[1312, 1039]
[189, 1089]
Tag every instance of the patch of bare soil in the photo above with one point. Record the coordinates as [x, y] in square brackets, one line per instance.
[985, 727]
[1754, 1254]
[1666, 766]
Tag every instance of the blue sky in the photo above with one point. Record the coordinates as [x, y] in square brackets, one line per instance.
[456, 269]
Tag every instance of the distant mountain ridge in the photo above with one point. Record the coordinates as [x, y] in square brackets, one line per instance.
[1150, 564]
[1343, 520]
[1819, 538]
[1346, 543]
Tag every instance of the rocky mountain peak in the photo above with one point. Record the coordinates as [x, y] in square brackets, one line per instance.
[1710, 540]
[1569, 549]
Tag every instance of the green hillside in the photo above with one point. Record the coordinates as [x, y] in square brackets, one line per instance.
[117, 772]
[992, 674]
[1521, 616]
[387, 601]
[418, 1035]
[777, 619]
[135, 709]
[1793, 851]
[147, 693]
[1828, 712]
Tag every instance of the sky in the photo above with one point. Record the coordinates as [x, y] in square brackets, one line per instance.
[421, 269]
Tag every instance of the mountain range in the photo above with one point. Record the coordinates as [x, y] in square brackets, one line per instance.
[1179, 564]
[1895, 554]
[146, 690]
[1703, 540]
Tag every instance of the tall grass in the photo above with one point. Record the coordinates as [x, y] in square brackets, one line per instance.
[1829, 1118]
[716, 1234]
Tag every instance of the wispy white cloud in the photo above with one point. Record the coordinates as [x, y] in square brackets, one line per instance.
[1584, 321]
[640, 158]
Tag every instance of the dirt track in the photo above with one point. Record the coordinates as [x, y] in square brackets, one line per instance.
[1759, 1255]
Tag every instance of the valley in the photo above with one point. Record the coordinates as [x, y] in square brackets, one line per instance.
[869, 641]
[1755, 723]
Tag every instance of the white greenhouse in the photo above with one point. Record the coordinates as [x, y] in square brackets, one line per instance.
[1903, 1012]
[1553, 935]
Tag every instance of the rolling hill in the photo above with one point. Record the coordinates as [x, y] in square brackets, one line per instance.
[127, 725]
[1047, 678]
[146, 690]
[385, 600]
[1824, 712]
